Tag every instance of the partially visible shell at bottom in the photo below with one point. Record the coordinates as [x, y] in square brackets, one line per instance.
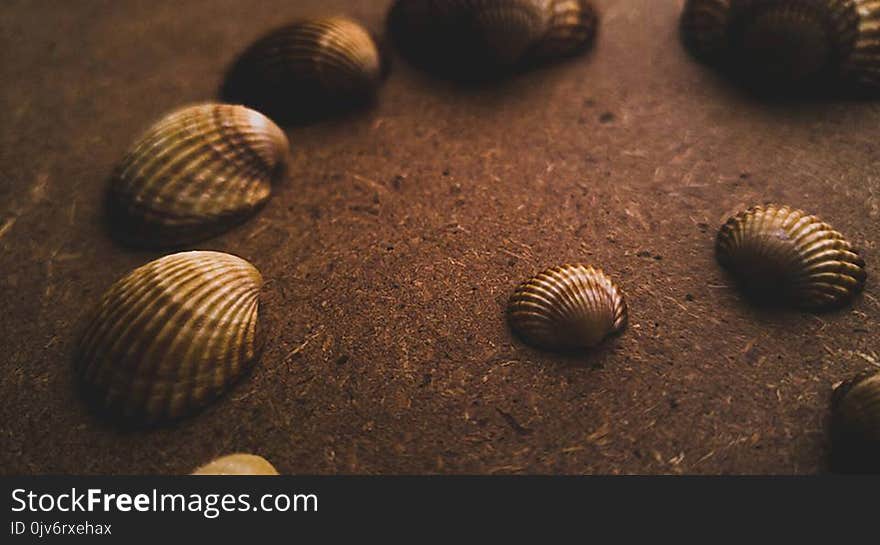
[856, 425]
[237, 464]
[568, 307]
[571, 28]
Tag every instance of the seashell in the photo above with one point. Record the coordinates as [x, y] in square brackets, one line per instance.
[855, 425]
[196, 173]
[780, 252]
[571, 28]
[704, 27]
[471, 36]
[862, 65]
[171, 336]
[567, 307]
[237, 464]
[787, 41]
[312, 64]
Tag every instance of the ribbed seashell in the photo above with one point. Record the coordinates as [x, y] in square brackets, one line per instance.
[704, 27]
[470, 36]
[237, 464]
[862, 65]
[786, 41]
[855, 425]
[780, 252]
[571, 28]
[171, 336]
[196, 173]
[307, 66]
[568, 307]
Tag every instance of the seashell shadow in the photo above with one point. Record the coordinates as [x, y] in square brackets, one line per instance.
[292, 108]
[584, 357]
[126, 230]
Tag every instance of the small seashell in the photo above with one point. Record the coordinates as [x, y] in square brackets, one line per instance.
[787, 41]
[862, 65]
[237, 464]
[571, 28]
[309, 65]
[469, 37]
[780, 252]
[171, 336]
[855, 425]
[567, 307]
[196, 173]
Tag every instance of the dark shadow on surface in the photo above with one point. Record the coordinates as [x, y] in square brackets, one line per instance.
[585, 358]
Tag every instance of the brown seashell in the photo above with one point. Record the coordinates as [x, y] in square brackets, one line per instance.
[197, 172]
[780, 252]
[856, 425]
[237, 464]
[480, 37]
[787, 41]
[567, 307]
[862, 65]
[171, 336]
[308, 67]
[571, 28]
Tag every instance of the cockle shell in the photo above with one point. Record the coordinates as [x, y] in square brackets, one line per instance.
[855, 425]
[571, 28]
[787, 41]
[196, 173]
[237, 464]
[311, 64]
[171, 336]
[470, 36]
[567, 307]
[776, 251]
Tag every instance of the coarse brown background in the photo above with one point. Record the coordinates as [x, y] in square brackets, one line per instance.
[390, 252]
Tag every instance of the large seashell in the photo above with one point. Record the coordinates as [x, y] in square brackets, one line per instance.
[308, 67]
[196, 173]
[567, 307]
[779, 252]
[855, 425]
[237, 464]
[787, 41]
[472, 36]
[171, 336]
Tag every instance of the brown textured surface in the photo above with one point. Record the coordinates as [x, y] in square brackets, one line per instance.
[392, 249]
